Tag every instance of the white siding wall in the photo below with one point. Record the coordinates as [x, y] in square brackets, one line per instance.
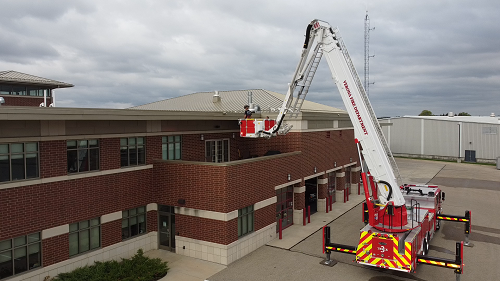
[440, 138]
[487, 146]
[405, 136]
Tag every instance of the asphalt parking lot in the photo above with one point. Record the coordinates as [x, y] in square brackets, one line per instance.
[468, 187]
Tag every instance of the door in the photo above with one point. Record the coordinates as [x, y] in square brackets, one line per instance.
[284, 207]
[312, 194]
[166, 229]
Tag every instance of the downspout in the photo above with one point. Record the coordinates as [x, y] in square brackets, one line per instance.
[459, 141]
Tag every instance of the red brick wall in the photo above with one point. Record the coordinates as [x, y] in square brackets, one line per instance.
[214, 188]
[339, 146]
[219, 231]
[153, 149]
[36, 207]
[202, 186]
[193, 148]
[152, 221]
[264, 216]
[322, 191]
[206, 229]
[228, 188]
[53, 158]
[111, 233]
[55, 249]
[340, 184]
[299, 201]
[355, 177]
[109, 154]
[24, 101]
[288, 143]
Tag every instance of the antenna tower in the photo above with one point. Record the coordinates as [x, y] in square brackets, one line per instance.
[367, 54]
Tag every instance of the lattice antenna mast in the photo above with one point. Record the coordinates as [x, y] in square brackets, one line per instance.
[367, 54]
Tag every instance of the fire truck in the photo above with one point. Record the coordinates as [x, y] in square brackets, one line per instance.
[400, 219]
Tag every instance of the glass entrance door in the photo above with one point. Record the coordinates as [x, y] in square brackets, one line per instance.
[166, 228]
[164, 231]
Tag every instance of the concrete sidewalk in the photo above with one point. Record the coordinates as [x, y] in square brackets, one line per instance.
[184, 268]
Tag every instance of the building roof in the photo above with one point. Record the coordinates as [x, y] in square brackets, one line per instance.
[231, 101]
[470, 119]
[11, 76]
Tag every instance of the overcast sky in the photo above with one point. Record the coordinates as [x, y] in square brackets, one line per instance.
[437, 55]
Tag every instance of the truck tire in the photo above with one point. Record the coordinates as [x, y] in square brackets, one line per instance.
[425, 248]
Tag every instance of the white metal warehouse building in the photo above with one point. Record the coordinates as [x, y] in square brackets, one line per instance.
[469, 138]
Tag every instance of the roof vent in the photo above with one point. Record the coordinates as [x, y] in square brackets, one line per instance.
[492, 114]
[216, 97]
[451, 114]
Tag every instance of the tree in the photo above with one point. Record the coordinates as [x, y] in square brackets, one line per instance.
[463, 114]
[425, 112]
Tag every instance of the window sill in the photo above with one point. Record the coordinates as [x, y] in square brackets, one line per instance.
[86, 252]
[18, 181]
[132, 166]
[74, 176]
[83, 172]
[132, 237]
[245, 235]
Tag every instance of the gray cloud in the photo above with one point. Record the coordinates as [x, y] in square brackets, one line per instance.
[436, 55]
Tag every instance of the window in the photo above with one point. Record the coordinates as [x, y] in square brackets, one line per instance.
[18, 161]
[171, 147]
[83, 155]
[245, 221]
[132, 151]
[133, 222]
[217, 151]
[20, 254]
[84, 236]
[332, 178]
[7, 89]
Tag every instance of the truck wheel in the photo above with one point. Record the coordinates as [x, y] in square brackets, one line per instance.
[425, 249]
[438, 222]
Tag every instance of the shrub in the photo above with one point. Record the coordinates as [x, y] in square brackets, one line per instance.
[136, 268]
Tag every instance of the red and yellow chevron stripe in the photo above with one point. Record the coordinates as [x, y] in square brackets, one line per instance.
[452, 219]
[336, 249]
[398, 261]
[439, 263]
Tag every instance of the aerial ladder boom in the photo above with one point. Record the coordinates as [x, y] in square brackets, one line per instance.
[322, 40]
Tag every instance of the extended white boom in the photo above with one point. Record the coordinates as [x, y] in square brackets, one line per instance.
[321, 40]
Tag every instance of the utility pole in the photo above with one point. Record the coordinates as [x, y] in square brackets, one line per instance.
[367, 54]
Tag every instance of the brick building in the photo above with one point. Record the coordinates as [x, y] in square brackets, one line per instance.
[21, 89]
[84, 185]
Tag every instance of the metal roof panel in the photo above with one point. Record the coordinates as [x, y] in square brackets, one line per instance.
[11, 76]
[230, 101]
